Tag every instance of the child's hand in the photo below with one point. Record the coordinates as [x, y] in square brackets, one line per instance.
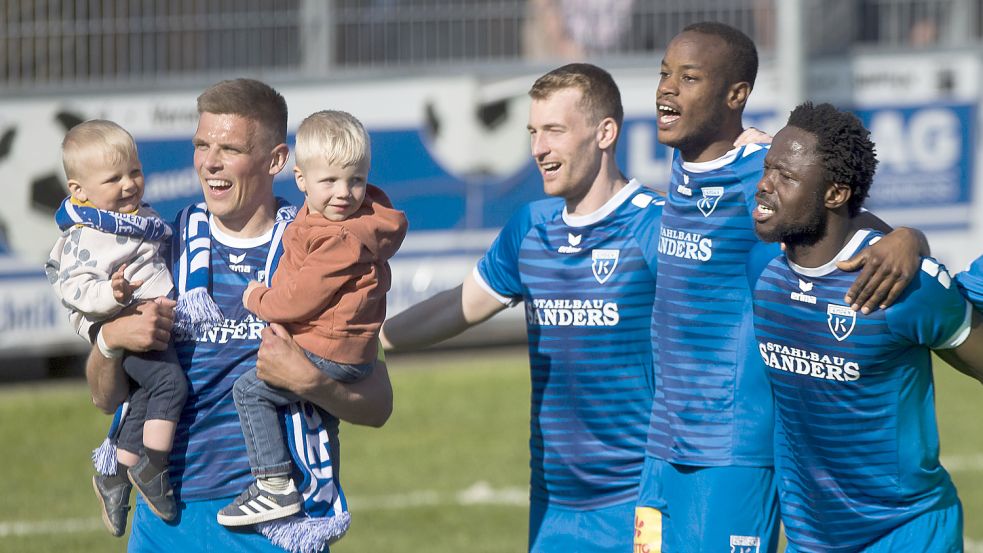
[253, 284]
[122, 288]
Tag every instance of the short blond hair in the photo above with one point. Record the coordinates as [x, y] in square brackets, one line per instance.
[92, 138]
[337, 137]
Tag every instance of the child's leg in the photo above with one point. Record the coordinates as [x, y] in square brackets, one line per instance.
[129, 443]
[166, 388]
[158, 434]
[273, 495]
[342, 372]
[257, 403]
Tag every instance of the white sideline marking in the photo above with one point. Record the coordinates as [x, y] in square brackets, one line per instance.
[57, 526]
[958, 463]
[480, 493]
[972, 546]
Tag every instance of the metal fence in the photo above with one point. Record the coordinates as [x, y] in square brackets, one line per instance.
[64, 43]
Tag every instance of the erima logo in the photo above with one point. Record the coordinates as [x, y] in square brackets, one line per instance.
[745, 544]
[840, 319]
[711, 196]
[603, 263]
[573, 240]
[235, 260]
[803, 296]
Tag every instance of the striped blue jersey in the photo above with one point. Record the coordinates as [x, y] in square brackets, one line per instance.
[209, 457]
[857, 448]
[588, 283]
[971, 283]
[710, 408]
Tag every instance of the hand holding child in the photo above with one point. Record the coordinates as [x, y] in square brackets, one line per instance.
[122, 288]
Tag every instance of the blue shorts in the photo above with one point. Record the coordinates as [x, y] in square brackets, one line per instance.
[685, 508]
[195, 530]
[559, 529]
[938, 531]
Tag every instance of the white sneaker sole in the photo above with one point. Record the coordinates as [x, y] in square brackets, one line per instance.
[256, 518]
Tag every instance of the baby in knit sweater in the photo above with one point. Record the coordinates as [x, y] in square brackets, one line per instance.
[329, 291]
[107, 258]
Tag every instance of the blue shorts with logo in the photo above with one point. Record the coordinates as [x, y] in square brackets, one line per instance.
[938, 531]
[559, 529]
[196, 530]
[685, 509]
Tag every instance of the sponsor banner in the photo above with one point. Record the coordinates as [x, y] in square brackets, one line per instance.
[925, 163]
[32, 320]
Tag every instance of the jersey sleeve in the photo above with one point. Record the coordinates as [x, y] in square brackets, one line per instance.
[931, 311]
[647, 233]
[749, 171]
[498, 269]
[970, 283]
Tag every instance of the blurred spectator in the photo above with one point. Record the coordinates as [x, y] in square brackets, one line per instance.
[575, 29]
[924, 32]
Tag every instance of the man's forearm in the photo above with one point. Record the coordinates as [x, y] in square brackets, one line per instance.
[368, 402]
[281, 362]
[440, 317]
[108, 384]
[431, 321]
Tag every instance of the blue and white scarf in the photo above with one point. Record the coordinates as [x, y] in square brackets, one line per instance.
[72, 213]
[196, 312]
[325, 518]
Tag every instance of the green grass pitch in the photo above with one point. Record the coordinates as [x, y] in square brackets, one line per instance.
[448, 472]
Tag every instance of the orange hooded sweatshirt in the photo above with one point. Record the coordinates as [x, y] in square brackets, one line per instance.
[329, 289]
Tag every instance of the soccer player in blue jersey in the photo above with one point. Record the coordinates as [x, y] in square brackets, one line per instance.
[583, 262]
[708, 481]
[239, 148]
[857, 448]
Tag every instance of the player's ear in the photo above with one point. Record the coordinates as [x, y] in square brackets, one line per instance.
[279, 157]
[299, 177]
[75, 189]
[837, 195]
[607, 132]
[737, 95]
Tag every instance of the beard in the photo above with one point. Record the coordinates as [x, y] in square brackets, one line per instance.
[806, 232]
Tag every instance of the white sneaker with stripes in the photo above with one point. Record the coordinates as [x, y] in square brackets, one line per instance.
[257, 505]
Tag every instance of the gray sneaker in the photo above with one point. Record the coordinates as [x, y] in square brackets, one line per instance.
[256, 505]
[156, 491]
[115, 501]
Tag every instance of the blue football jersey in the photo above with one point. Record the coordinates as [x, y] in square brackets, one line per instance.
[710, 408]
[857, 448]
[971, 283]
[588, 283]
[209, 457]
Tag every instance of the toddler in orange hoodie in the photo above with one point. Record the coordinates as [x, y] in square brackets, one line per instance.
[329, 291]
